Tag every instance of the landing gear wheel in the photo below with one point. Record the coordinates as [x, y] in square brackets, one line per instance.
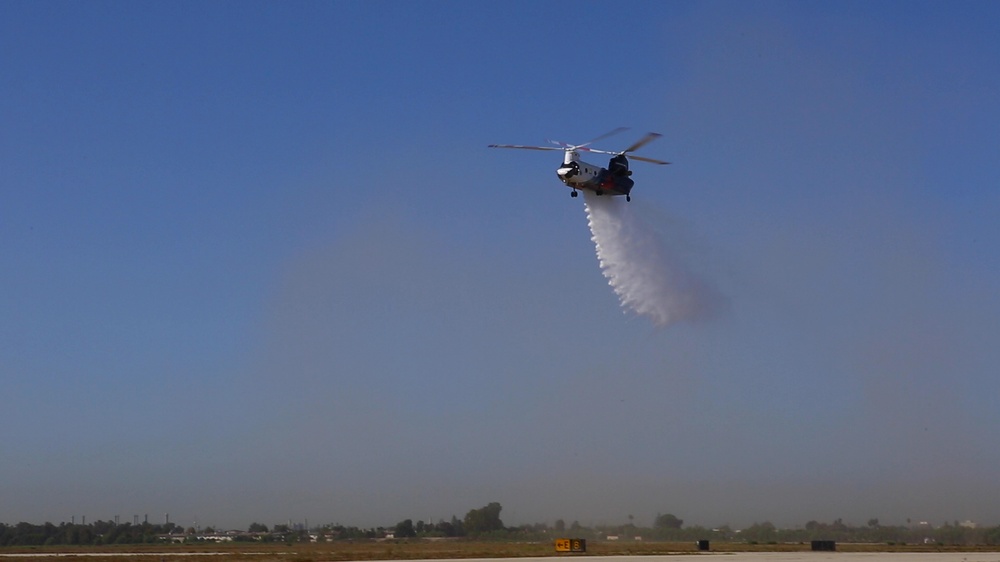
[573, 193]
[599, 193]
[628, 197]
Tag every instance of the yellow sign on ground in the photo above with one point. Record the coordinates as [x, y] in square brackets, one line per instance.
[571, 545]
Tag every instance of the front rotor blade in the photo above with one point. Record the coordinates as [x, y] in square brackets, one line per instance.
[597, 151]
[525, 147]
[642, 142]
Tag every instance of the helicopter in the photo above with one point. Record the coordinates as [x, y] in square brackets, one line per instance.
[579, 175]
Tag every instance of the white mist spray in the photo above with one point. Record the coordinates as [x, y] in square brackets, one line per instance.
[648, 277]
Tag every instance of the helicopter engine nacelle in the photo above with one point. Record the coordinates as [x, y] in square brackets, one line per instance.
[618, 166]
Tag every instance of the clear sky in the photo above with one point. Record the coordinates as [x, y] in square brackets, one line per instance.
[257, 262]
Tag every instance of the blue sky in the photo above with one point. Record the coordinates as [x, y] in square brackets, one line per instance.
[258, 264]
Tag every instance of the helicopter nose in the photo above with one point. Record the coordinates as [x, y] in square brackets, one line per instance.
[565, 172]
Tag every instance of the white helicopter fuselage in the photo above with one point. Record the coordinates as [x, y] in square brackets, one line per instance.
[575, 172]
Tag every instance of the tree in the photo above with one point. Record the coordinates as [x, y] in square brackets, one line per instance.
[404, 529]
[257, 528]
[484, 520]
[760, 532]
[668, 521]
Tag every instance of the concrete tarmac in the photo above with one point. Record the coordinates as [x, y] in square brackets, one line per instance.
[766, 557]
[697, 557]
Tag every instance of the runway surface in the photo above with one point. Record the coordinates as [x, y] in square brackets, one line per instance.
[766, 557]
[699, 557]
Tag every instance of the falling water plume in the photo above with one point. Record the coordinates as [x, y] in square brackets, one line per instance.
[649, 277]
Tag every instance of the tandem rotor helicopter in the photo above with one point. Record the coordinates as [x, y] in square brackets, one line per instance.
[579, 175]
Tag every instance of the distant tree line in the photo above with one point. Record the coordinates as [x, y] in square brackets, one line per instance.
[485, 524]
[97, 533]
[670, 528]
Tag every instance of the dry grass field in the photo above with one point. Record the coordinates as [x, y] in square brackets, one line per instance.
[407, 550]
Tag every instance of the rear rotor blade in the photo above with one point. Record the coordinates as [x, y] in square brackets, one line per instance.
[639, 144]
[644, 159]
[642, 142]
